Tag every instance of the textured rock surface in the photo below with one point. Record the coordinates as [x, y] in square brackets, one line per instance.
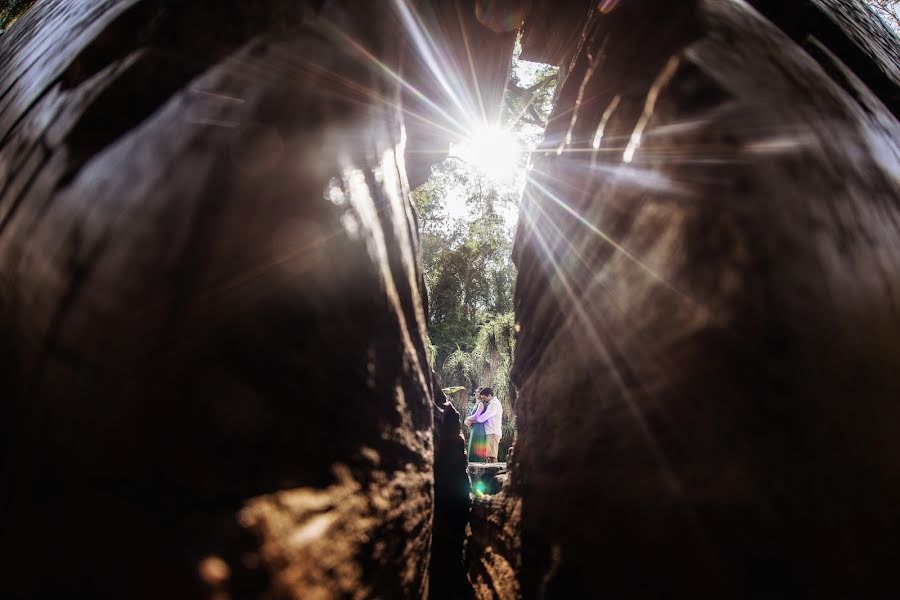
[708, 359]
[493, 548]
[465, 67]
[214, 376]
[212, 359]
[451, 505]
[488, 478]
[850, 30]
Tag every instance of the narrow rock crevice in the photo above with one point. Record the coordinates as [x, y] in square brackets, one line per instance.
[213, 350]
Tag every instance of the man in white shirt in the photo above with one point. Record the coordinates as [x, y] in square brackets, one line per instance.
[492, 417]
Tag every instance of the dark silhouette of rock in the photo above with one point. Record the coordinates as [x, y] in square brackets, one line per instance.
[451, 505]
[850, 30]
[214, 373]
[213, 368]
[708, 361]
[460, 65]
[493, 551]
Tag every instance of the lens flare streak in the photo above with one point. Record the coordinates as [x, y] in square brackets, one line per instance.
[650, 105]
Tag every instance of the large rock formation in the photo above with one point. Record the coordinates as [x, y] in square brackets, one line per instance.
[213, 369]
[214, 375]
[458, 60]
[493, 547]
[709, 358]
[451, 506]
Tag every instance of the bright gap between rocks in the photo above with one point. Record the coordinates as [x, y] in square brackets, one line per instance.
[467, 211]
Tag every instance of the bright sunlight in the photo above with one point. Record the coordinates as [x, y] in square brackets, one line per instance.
[493, 151]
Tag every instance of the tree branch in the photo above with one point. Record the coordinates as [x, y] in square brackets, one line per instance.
[542, 83]
[530, 121]
[532, 89]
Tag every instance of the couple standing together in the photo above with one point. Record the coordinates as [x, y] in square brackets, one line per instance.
[486, 422]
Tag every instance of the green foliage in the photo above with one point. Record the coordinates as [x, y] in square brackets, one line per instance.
[459, 369]
[487, 364]
[496, 344]
[470, 277]
[529, 94]
[467, 258]
[10, 10]
[468, 270]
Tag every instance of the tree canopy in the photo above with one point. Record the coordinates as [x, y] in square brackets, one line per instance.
[466, 224]
[468, 269]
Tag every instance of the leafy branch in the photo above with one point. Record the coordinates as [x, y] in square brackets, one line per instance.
[528, 96]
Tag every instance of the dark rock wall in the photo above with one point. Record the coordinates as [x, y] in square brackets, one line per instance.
[493, 547]
[458, 65]
[850, 30]
[214, 375]
[451, 505]
[212, 325]
[709, 360]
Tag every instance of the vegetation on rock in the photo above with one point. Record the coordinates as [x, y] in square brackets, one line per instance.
[466, 221]
[10, 10]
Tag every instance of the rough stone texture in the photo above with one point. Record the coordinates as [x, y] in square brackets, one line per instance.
[488, 478]
[451, 505]
[212, 360]
[464, 66]
[849, 29]
[493, 547]
[709, 357]
[550, 33]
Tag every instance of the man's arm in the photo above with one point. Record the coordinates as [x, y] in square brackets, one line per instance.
[492, 411]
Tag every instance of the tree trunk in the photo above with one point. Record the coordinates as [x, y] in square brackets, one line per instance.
[214, 370]
[213, 363]
[709, 359]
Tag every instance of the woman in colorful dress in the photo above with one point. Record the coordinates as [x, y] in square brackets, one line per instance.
[478, 447]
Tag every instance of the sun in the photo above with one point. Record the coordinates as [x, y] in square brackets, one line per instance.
[493, 151]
